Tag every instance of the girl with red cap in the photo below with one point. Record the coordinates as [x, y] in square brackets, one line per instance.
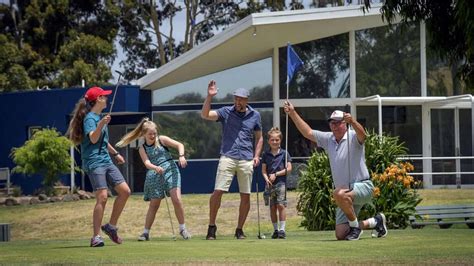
[89, 129]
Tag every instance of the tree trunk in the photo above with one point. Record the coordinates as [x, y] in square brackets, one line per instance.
[156, 26]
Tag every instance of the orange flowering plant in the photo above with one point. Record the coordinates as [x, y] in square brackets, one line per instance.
[395, 194]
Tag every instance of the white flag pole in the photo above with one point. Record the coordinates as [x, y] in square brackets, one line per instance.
[286, 114]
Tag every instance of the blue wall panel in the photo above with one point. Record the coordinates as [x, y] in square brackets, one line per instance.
[51, 108]
[199, 177]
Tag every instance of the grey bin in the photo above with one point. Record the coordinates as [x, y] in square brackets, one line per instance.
[4, 232]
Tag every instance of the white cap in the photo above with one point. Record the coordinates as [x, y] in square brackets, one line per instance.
[336, 115]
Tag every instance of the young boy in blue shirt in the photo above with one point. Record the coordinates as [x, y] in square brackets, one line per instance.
[275, 171]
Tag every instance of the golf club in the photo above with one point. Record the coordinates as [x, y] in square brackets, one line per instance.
[348, 109]
[169, 213]
[260, 236]
[111, 106]
[115, 91]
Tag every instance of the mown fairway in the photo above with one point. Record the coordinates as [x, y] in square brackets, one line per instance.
[59, 234]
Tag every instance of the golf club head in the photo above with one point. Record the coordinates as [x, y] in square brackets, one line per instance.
[118, 72]
[261, 236]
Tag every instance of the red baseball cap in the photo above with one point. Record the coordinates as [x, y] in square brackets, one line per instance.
[93, 93]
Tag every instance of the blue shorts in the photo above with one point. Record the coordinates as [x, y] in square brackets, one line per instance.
[363, 194]
[101, 176]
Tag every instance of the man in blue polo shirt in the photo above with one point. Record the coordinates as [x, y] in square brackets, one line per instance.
[241, 125]
[353, 187]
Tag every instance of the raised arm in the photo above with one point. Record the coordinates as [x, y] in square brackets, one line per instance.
[358, 128]
[206, 112]
[95, 135]
[301, 125]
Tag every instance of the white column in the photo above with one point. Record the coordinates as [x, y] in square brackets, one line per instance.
[424, 92]
[71, 150]
[426, 133]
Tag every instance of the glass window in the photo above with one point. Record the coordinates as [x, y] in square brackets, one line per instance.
[316, 117]
[466, 147]
[255, 76]
[441, 79]
[388, 61]
[201, 138]
[443, 144]
[32, 130]
[325, 73]
[401, 121]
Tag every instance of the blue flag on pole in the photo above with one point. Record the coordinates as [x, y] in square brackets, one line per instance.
[293, 63]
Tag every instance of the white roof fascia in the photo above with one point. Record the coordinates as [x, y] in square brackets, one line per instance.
[256, 21]
[196, 51]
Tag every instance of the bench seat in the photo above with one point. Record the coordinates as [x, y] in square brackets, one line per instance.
[443, 215]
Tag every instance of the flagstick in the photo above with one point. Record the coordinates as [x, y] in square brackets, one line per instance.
[286, 114]
[293, 67]
[286, 130]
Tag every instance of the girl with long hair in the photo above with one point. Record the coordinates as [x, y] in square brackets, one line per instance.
[163, 175]
[88, 129]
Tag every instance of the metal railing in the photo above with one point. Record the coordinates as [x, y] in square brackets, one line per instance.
[428, 183]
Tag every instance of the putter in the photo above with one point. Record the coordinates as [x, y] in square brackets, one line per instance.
[348, 109]
[111, 106]
[260, 236]
[115, 91]
[169, 213]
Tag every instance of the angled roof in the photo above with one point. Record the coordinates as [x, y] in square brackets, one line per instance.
[238, 44]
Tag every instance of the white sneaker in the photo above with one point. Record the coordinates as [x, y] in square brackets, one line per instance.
[185, 234]
[144, 237]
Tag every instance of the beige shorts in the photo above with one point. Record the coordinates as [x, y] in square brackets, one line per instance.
[228, 168]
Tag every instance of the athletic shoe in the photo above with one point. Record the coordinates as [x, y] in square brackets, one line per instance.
[239, 234]
[97, 241]
[275, 234]
[185, 234]
[381, 226]
[281, 234]
[354, 233]
[144, 237]
[112, 233]
[211, 232]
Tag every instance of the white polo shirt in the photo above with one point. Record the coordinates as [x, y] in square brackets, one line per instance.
[338, 155]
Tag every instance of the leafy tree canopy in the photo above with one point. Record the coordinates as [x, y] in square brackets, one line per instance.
[450, 27]
[56, 43]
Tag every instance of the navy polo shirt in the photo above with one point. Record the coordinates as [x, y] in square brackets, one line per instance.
[238, 131]
[275, 163]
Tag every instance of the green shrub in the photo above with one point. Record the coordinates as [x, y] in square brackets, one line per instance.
[394, 195]
[46, 153]
[16, 191]
[382, 151]
[315, 201]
